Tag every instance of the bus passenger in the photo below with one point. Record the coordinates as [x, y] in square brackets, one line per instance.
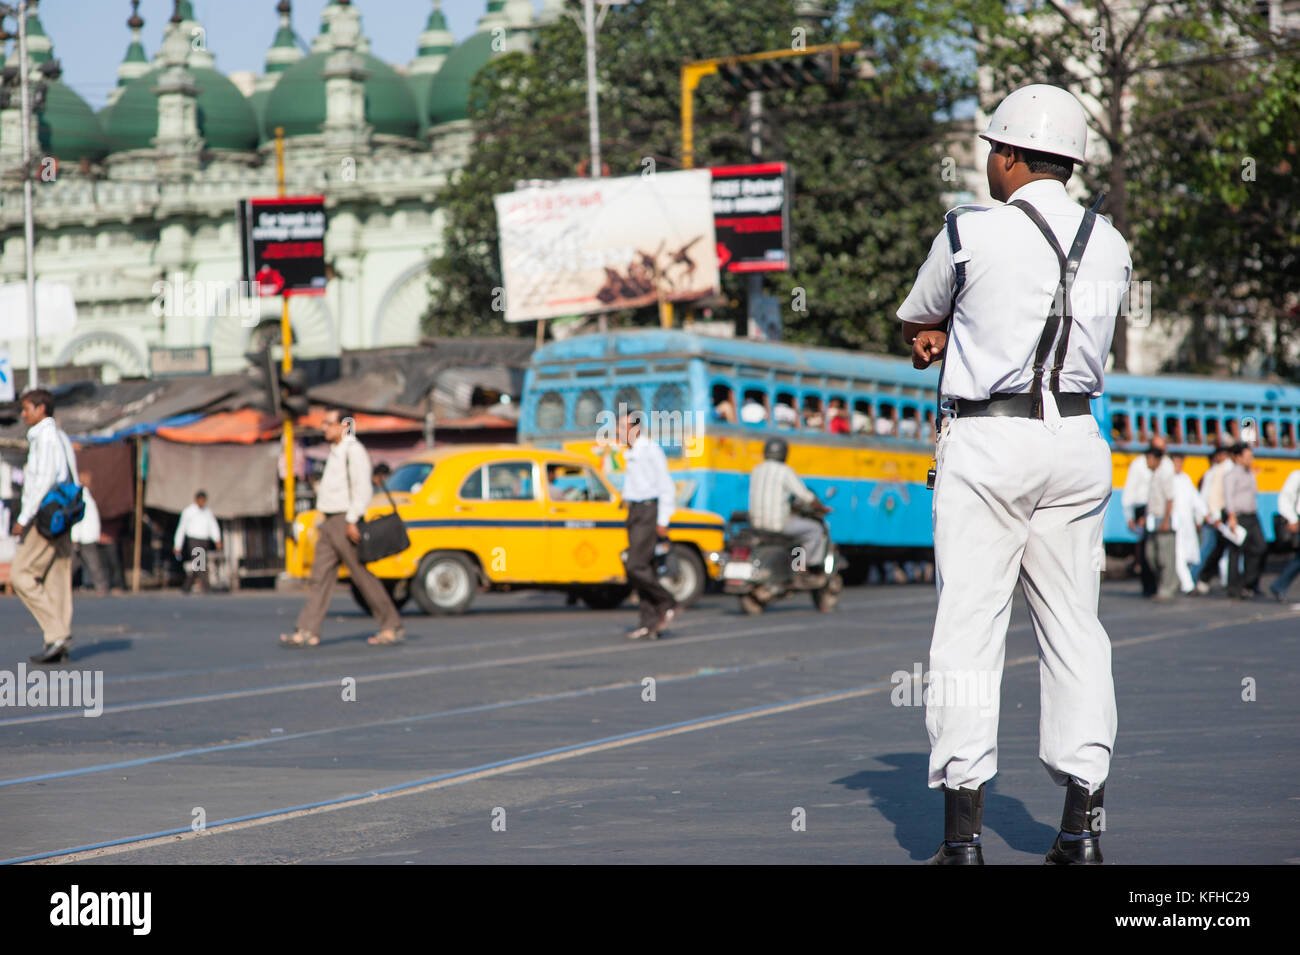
[839, 419]
[725, 409]
[784, 415]
[754, 410]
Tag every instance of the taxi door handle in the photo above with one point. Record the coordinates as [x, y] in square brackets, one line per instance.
[461, 508]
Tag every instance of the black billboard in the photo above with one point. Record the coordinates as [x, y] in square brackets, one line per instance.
[282, 244]
[751, 216]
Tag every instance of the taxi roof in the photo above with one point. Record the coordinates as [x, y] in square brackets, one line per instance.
[490, 451]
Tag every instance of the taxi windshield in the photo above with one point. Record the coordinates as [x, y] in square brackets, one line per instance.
[409, 477]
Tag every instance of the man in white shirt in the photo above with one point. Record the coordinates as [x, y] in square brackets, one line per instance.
[85, 538]
[1160, 540]
[42, 568]
[197, 532]
[1024, 475]
[1288, 506]
[341, 498]
[1137, 490]
[651, 498]
[1216, 547]
[771, 486]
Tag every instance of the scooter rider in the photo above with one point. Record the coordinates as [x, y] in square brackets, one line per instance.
[771, 486]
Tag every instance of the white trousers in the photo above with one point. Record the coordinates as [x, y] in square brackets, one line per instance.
[1020, 499]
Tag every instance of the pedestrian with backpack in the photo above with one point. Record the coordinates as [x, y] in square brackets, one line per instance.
[51, 504]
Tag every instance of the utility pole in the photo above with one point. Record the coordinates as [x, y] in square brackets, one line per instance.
[286, 358]
[29, 225]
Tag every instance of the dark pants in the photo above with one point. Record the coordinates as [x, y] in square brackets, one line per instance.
[1210, 566]
[1246, 563]
[1145, 553]
[112, 561]
[641, 539]
[86, 557]
[1289, 573]
[194, 557]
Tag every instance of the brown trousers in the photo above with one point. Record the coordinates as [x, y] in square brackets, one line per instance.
[333, 548]
[42, 577]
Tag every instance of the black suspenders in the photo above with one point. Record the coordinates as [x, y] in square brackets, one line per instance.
[1060, 301]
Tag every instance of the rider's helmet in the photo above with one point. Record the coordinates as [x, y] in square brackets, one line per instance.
[775, 449]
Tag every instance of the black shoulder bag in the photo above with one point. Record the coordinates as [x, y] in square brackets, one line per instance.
[382, 537]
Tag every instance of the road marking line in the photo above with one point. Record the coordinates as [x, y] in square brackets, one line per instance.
[545, 757]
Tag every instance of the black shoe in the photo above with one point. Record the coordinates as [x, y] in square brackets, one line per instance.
[1279, 597]
[55, 652]
[1085, 851]
[969, 853]
[642, 633]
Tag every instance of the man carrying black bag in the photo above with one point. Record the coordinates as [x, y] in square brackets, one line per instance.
[341, 498]
[42, 568]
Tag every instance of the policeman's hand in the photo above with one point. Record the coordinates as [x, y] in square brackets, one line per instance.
[18, 530]
[928, 346]
[354, 534]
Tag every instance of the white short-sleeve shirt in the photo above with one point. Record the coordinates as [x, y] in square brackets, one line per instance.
[1011, 277]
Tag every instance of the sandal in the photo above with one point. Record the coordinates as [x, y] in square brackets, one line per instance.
[386, 638]
[299, 640]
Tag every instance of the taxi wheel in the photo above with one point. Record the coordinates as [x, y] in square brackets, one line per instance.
[445, 583]
[398, 590]
[687, 583]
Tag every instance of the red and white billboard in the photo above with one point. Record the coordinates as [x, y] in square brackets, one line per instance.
[751, 216]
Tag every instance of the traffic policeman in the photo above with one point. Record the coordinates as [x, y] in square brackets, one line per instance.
[1020, 302]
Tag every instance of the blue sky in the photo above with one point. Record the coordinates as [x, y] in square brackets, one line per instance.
[90, 36]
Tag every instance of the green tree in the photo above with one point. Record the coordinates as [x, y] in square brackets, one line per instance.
[867, 177]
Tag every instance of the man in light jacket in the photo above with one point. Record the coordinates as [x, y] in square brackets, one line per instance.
[341, 498]
[197, 532]
[42, 568]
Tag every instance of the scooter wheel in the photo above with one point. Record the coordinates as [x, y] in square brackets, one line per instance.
[751, 605]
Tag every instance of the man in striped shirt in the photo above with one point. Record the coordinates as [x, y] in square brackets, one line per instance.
[771, 486]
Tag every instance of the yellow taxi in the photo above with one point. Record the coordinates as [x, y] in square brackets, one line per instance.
[504, 517]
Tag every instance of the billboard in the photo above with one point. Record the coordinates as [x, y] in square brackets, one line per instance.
[751, 216]
[282, 244]
[580, 246]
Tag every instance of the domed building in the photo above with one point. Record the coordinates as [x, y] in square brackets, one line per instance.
[139, 217]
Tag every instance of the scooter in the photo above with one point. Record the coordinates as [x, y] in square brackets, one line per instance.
[760, 567]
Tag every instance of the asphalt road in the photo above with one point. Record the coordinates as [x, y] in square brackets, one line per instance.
[522, 732]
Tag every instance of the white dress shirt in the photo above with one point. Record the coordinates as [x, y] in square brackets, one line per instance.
[86, 530]
[647, 478]
[345, 486]
[50, 460]
[1288, 499]
[196, 522]
[1011, 278]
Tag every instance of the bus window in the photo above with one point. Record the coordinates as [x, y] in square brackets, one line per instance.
[929, 424]
[1155, 425]
[1288, 435]
[587, 409]
[1119, 428]
[1194, 431]
[754, 410]
[837, 416]
[1142, 429]
[724, 403]
[885, 423]
[1269, 434]
[627, 398]
[1212, 431]
[812, 413]
[861, 419]
[1174, 429]
[784, 414]
[668, 398]
[1233, 428]
[550, 411]
[908, 426]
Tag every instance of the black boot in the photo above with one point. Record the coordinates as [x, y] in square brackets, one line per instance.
[1077, 819]
[963, 818]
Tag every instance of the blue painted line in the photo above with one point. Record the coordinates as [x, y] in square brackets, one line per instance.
[440, 714]
[553, 524]
[454, 774]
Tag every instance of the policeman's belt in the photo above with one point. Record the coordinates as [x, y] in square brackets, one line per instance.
[1024, 405]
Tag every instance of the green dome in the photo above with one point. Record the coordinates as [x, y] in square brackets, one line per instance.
[298, 100]
[67, 127]
[446, 94]
[226, 119]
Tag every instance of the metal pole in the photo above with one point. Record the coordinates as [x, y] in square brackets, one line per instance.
[589, 29]
[754, 281]
[29, 225]
[286, 359]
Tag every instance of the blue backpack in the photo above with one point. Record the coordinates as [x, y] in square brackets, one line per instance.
[62, 506]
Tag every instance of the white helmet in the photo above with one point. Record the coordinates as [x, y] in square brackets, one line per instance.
[1043, 118]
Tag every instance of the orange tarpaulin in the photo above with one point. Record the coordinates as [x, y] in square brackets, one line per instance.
[246, 426]
[363, 423]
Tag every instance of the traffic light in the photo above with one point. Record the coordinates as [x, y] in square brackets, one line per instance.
[832, 68]
[285, 392]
